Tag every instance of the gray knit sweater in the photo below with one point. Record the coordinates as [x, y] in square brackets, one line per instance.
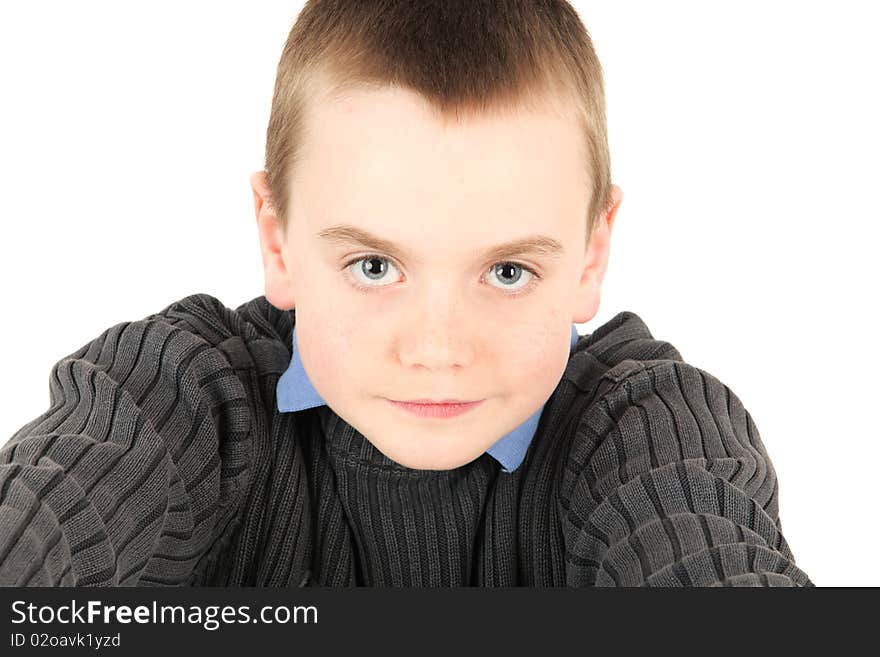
[163, 461]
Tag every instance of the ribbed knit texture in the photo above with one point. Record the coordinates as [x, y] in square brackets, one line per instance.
[163, 461]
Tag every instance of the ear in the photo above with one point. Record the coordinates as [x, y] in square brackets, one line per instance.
[595, 262]
[278, 279]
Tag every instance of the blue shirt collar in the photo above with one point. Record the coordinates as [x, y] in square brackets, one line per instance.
[295, 392]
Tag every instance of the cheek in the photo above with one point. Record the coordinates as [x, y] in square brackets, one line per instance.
[533, 361]
[328, 353]
[541, 362]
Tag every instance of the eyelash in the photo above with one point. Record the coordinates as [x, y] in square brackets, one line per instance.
[536, 277]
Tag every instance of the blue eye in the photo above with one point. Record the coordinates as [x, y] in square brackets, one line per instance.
[374, 267]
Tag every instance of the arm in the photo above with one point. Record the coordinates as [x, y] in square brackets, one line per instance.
[135, 467]
[669, 484]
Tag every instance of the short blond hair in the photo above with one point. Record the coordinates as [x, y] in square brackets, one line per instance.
[465, 57]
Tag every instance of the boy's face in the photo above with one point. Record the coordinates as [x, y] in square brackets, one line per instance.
[439, 319]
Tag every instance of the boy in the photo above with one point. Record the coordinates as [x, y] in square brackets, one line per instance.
[434, 218]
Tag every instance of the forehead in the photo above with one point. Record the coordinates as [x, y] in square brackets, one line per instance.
[368, 154]
[371, 130]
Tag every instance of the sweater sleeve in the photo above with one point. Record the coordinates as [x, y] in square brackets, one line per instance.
[136, 468]
[668, 484]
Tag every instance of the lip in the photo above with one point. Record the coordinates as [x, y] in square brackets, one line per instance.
[425, 400]
[437, 410]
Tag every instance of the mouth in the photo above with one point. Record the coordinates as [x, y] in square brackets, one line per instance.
[436, 401]
[436, 409]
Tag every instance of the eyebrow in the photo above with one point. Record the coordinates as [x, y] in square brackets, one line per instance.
[540, 245]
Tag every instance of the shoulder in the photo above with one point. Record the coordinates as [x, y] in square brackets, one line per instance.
[148, 449]
[613, 349]
[254, 334]
[206, 315]
[636, 373]
[670, 392]
[646, 412]
[668, 483]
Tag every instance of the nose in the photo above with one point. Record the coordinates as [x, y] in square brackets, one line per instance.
[435, 350]
[439, 338]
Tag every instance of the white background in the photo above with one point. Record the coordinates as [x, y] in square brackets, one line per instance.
[744, 136]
